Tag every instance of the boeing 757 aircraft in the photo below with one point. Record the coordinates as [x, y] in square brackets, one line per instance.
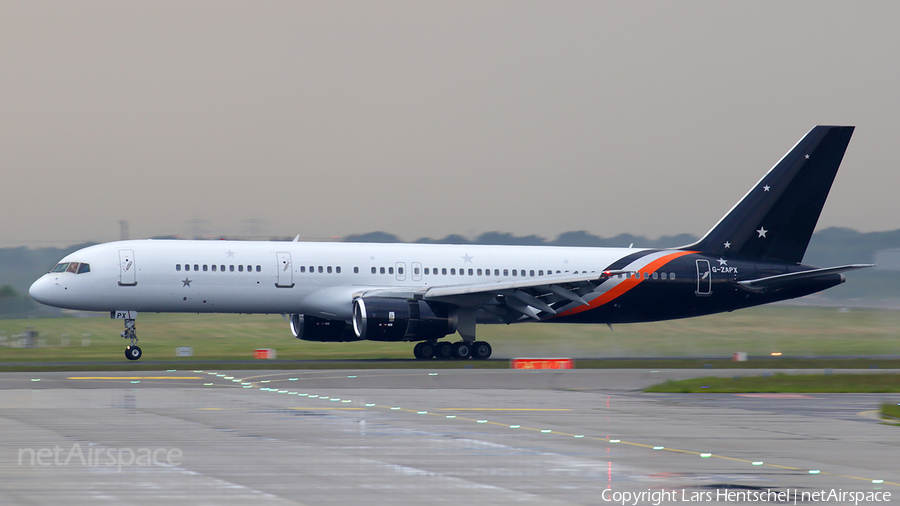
[423, 293]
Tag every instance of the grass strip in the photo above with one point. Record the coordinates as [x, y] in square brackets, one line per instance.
[786, 383]
[890, 411]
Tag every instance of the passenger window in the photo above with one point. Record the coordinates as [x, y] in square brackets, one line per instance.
[187, 267]
[655, 276]
[506, 272]
[373, 270]
[214, 266]
[249, 268]
[479, 272]
[426, 271]
[540, 273]
[390, 270]
[82, 268]
[302, 268]
[205, 268]
[231, 268]
[662, 275]
[416, 270]
[177, 267]
[240, 268]
[452, 271]
[399, 270]
[515, 272]
[258, 268]
[444, 271]
[320, 269]
[381, 270]
[496, 272]
[531, 273]
[222, 268]
[671, 275]
[337, 270]
[356, 270]
[196, 267]
[328, 269]
[470, 272]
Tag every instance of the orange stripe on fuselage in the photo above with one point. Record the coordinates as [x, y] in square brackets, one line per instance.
[627, 284]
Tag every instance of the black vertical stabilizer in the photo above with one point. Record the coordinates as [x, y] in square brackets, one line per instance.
[775, 219]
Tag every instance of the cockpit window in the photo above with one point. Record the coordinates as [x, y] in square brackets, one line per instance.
[73, 267]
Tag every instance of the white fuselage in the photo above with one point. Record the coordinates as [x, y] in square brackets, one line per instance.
[318, 279]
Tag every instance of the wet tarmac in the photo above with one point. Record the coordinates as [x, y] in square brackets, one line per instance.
[432, 437]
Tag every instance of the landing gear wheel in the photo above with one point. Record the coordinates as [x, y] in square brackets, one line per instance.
[417, 351]
[462, 350]
[443, 351]
[133, 352]
[481, 350]
[426, 351]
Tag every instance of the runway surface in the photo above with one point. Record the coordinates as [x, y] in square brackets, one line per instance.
[432, 437]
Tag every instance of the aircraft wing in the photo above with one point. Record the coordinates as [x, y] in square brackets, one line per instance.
[770, 282]
[533, 298]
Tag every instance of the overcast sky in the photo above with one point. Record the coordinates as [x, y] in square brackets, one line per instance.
[430, 118]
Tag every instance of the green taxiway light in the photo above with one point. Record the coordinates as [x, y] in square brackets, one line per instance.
[293, 379]
[136, 381]
[207, 384]
[35, 379]
[514, 426]
[369, 405]
[351, 376]
[481, 421]
[395, 408]
[615, 440]
[422, 412]
[758, 463]
[170, 370]
[706, 455]
[451, 416]
[432, 374]
[877, 481]
[659, 447]
[346, 400]
[579, 435]
[546, 431]
[814, 471]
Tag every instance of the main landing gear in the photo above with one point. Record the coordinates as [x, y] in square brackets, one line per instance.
[444, 350]
[133, 351]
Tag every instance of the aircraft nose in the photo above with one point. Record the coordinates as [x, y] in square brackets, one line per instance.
[40, 289]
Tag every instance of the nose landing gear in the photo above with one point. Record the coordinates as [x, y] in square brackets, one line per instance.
[133, 351]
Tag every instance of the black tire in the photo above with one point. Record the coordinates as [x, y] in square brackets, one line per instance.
[481, 350]
[462, 350]
[443, 351]
[133, 353]
[427, 351]
[417, 351]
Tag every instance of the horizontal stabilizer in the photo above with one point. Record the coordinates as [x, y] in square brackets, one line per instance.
[763, 284]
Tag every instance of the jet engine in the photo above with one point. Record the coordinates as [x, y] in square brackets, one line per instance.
[310, 328]
[389, 319]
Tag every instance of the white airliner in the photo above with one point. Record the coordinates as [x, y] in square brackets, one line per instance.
[417, 292]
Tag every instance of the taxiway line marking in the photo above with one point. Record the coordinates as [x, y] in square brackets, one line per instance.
[134, 377]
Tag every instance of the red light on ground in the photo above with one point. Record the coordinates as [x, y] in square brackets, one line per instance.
[541, 363]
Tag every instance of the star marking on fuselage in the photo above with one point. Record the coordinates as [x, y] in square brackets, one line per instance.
[722, 261]
[230, 253]
[807, 157]
[186, 281]
[727, 244]
[762, 232]
[766, 188]
[467, 259]
[372, 257]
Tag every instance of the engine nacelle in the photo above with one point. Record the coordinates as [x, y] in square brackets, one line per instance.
[310, 328]
[388, 319]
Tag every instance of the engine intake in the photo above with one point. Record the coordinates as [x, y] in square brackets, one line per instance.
[388, 319]
[310, 328]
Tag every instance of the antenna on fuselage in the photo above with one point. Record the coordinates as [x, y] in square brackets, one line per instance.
[296, 239]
